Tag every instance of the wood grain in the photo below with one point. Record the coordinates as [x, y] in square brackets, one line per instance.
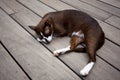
[114, 20]
[13, 5]
[6, 8]
[56, 4]
[115, 3]
[36, 6]
[9, 70]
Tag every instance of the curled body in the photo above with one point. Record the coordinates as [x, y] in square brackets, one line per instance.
[80, 26]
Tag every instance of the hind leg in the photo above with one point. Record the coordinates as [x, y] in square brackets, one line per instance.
[91, 50]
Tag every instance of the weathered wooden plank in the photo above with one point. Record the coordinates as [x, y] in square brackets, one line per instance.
[93, 11]
[36, 6]
[76, 60]
[112, 2]
[9, 70]
[113, 20]
[13, 5]
[103, 6]
[54, 4]
[6, 8]
[36, 60]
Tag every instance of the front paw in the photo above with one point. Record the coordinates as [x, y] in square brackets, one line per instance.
[56, 53]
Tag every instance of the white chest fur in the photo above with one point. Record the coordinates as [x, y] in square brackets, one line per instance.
[78, 33]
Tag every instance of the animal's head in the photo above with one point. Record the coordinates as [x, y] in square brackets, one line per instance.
[44, 30]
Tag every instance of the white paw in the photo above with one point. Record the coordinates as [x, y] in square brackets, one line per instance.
[56, 53]
[84, 72]
[61, 51]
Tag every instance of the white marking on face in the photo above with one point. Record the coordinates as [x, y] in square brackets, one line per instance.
[85, 71]
[62, 51]
[49, 38]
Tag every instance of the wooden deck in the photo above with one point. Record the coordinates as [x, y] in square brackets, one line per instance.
[22, 57]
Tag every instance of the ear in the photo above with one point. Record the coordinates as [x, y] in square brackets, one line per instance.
[32, 27]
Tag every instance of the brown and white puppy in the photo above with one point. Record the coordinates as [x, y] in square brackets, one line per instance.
[69, 23]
